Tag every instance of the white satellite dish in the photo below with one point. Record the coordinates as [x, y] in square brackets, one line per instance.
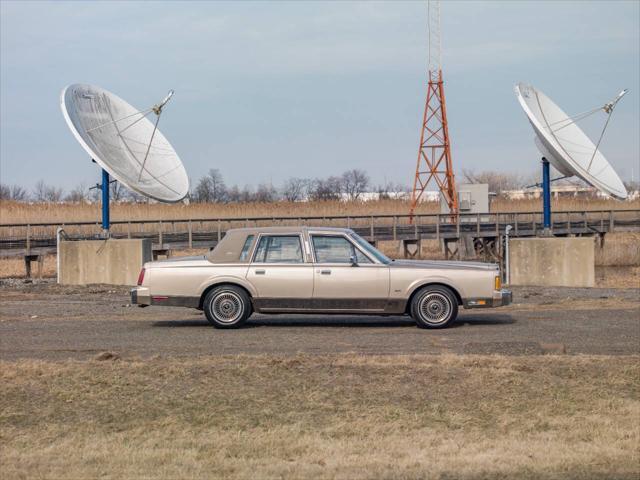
[565, 145]
[124, 142]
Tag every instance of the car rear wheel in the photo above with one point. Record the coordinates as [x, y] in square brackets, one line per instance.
[434, 306]
[227, 306]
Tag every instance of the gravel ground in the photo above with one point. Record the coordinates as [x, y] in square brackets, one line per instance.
[46, 321]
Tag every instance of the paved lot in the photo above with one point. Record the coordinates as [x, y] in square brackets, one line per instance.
[51, 322]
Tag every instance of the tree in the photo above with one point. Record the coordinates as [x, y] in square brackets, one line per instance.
[78, 194]
[47, 193]
[325, 189]
[13, 192]
[117, 191]
[211, 188]
[354, 183]
[392, 190]
[497, 181]
[265, 193]
[294, 189]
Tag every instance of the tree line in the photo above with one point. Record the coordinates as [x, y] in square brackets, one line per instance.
[212, 188]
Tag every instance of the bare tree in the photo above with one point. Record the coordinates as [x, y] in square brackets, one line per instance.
[392, 190]
[13, 192]
[294, 189]
[40, 191]
[78, 194]
[134, 197]
[47, 193]
[265, 193]
[117, 191]
[354, 183]
[632, 186]
[211, 188]
[325, 188]
[497, 181]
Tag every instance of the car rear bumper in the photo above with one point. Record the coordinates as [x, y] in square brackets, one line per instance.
[500, 298]
[140, 296]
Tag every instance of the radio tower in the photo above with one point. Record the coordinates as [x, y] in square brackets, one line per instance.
[434, 153]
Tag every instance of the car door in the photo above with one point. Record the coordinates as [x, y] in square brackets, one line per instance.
[281, 273]
[339, 285]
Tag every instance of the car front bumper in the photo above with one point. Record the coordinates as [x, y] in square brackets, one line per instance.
[500, 298]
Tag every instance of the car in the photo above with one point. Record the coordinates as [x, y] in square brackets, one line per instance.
[315, 270]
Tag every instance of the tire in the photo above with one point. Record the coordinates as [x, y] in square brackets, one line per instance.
[434, 306]
[227, 306]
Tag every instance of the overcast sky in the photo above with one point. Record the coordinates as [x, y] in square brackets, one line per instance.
[269, 90]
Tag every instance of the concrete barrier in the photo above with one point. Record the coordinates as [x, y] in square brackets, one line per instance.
[114, 262]
[559, 262]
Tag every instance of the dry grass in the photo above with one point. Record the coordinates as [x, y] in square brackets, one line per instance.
[324, 417]
[12, 212]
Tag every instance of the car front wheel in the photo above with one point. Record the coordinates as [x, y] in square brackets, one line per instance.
[434, 306]
[227, 306]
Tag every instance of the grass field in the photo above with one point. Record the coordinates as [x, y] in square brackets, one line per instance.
[12, 212]
[347, 416]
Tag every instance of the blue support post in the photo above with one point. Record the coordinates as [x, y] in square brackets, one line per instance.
[546, 196]
[105, 201]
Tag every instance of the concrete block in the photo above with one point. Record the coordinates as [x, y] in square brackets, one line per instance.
[112, 261]
[558, 262]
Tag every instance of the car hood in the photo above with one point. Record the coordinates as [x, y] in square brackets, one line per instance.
[443, 264]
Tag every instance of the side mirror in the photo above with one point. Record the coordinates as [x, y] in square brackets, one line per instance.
[354, 260]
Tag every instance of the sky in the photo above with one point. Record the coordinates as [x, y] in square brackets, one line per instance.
[269, 90]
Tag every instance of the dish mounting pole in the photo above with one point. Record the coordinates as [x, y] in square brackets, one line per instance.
[105, 203]
[434, 152]
[546, 198]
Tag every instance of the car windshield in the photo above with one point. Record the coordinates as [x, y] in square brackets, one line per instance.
[377, 254]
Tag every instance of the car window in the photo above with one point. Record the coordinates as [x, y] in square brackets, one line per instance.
[381, 257]
[244, 255]
[336, 250]
[279, 249]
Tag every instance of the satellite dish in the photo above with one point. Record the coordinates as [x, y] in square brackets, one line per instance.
[565, 145]
[124, 142]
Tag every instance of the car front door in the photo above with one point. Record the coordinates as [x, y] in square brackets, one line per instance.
[341, 285]
[281, 273]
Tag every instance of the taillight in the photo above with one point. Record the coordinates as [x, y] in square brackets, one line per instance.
[141, 277]
[497, 283]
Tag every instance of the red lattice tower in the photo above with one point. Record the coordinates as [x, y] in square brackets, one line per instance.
[434, 153]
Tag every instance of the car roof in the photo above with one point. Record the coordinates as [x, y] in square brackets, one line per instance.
[229, 249]
[289, 229]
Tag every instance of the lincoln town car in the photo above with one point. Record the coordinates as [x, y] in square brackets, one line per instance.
[320, 270]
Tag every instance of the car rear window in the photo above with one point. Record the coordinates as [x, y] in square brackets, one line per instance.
[244, 254]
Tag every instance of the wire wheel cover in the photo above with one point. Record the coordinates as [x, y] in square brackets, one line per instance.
[227, 307]
[435, 307]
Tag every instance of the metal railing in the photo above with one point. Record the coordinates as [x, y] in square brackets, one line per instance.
[203, 232]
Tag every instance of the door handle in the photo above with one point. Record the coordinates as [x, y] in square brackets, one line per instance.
[325, 272]
[260, 272]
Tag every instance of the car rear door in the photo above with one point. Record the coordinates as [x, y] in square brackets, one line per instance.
[339, 285]
[281, 273]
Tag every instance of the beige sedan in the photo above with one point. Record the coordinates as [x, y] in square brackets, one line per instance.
[315, 270]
